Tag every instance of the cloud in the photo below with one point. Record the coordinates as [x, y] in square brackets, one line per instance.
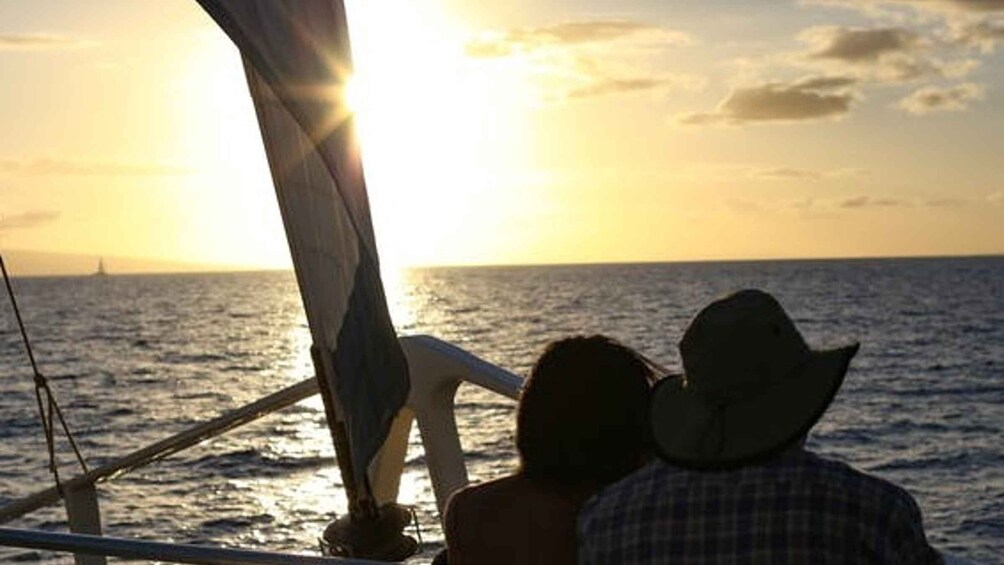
[826, 83]
[596, 83]
[40, 42]
[857, 46]
[866, 202]
[889, 54]
[933, 99]
[943, 6]
[802, 174]
[575, 60]
[787, 173]
[885, 54]
[777, 102]
[983, 34]
[984, 6]
[974, 5]
[960, 68]
[996, 198]
[971, 22]
[27, 220]
[861, 202]
[611, 86]
[64, 167]
[523, 40]
[946, 202]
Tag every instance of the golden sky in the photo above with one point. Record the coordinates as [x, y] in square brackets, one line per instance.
[524, 132]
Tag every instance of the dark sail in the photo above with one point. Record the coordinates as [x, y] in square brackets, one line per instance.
[297, 59]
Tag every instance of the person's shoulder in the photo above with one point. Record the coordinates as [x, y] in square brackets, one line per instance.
[501, 487]
[473, 499]
[886, 508]
[634, 485]
[868, 488]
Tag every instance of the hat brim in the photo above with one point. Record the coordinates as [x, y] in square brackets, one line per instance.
[690, 432]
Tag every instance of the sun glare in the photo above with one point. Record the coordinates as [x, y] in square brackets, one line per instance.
[436, 130]
[352, 95]
[219, 134]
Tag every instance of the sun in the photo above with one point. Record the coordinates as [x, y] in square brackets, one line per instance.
[351, 95]
[437, 129]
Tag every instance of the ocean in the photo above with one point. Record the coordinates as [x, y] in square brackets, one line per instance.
[133, 359]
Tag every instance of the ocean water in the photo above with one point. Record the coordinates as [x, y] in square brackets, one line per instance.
[133, 359]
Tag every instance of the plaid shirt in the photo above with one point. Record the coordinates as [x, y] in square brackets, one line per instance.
[796, 508]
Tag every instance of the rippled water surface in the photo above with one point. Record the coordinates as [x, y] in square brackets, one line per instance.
[133, 359]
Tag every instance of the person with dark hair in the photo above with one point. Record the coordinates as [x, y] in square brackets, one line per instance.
[736, 484]
[581, 425]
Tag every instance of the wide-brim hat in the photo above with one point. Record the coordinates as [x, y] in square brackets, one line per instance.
[752, 387]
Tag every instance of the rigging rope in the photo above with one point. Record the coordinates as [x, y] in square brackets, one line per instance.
[47, 406]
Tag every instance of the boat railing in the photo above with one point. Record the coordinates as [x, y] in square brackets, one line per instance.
[97, 547]
[437, 368]
[163, 448]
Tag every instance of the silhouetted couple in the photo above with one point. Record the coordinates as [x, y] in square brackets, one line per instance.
[705, 468]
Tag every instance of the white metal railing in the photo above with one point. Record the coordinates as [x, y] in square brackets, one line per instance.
[159, 551]
[437, 368]
[164, 448]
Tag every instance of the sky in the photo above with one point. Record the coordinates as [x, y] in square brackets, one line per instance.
[522, 132]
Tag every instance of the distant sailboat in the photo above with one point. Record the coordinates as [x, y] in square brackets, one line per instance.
[101, 269]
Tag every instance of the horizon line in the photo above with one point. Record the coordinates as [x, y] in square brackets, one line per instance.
[210, 268]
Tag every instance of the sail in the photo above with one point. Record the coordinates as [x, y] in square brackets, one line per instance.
[297, 58]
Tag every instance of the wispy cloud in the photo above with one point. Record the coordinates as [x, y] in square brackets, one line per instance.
[778, 102]
[942, 6]
[41, 41]
[787, 173]
[65, 167]
[584, 59]
[934, 99]
[984, 6]
[863, 202]
[27, 220]
[826, 83]
[983, 34]
[946, 202]
[858, 202]
[523, 40]
[593, 82]
[610, 86]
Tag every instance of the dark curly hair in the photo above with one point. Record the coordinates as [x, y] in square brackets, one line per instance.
[583, 413]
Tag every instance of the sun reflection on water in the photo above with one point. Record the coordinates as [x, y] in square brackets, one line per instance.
[399, 291]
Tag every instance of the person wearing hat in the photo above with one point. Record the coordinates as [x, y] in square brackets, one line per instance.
[735, 483]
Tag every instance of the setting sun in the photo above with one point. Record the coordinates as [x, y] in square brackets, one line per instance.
[352, 94]
[437, 131]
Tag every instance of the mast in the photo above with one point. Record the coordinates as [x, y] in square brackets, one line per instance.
[297, 58]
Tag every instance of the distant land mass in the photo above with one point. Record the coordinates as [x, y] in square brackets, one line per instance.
[22, 263]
